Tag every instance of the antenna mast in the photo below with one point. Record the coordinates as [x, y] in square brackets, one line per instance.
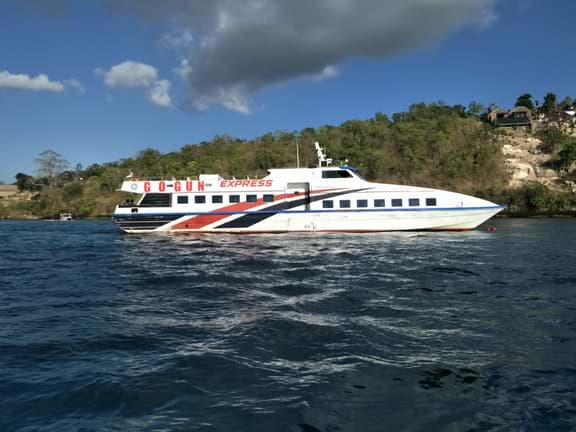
[297, 153]
[322, 159]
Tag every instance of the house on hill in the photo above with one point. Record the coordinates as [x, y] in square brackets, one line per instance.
[517, 117]
[495, 115]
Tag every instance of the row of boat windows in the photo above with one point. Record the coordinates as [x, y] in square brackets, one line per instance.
[163, 200]
[327, 204]
[395, 202]
[219, 199]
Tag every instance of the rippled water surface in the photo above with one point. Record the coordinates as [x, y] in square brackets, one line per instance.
[101, 331]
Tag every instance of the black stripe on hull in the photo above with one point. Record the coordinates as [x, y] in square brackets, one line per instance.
[262, 214]
[138, 228]
[143, 222]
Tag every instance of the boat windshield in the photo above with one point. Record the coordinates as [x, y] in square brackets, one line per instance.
[353, 170]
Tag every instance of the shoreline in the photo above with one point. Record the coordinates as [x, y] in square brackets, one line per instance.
[564, 214]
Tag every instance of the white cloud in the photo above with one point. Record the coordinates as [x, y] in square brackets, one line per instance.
[40, 82]
[184, 70]
[159, 94]
[75, 84]
[327, 73]
[232, 98]
[178, 39]
[131, 74]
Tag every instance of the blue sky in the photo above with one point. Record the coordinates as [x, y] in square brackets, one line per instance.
[92, 113]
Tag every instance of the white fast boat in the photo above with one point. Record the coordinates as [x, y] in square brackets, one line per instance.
[321, 199]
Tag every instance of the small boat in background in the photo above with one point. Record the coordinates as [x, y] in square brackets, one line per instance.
[66, 217]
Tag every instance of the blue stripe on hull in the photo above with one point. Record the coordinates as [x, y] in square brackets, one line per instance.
[128, 216]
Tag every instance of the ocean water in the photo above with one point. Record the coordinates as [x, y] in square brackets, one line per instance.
[102, 331]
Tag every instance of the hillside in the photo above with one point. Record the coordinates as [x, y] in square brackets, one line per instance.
[432, 145]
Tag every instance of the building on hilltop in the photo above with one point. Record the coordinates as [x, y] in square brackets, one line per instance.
[495, 115]
[518, 117]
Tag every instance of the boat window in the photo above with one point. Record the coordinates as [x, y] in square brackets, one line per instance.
[414, 202]
[397, 202]
[251, 198]
[327, 204]
[431, 202]
[332, 174]
[268, 198]
[362, 203]
[234, 198]
[200, 199]
[156, 200]
[217, 199]
[182, 199]
[379, 203]
[344, 203]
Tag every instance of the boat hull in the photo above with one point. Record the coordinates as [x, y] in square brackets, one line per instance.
[449, 219]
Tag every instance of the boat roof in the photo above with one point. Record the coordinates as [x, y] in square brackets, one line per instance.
[302, 174]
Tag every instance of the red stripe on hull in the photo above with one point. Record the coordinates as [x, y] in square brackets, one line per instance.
[200, 221]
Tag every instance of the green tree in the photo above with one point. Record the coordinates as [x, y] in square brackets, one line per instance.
[549, 104]
[567, 103]
[93, 170]
[525, 100]
[538, 197]
[476, 109]
[148, 163]
[491, 107]
[381, 117]
[27, 183]
[72, 191]
[552, 139]
[568, 152]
